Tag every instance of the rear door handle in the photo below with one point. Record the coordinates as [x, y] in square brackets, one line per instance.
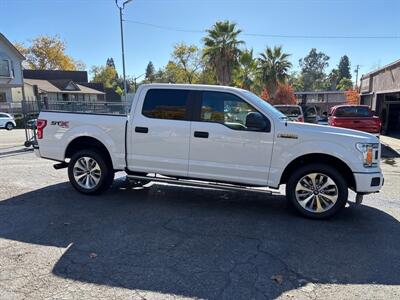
[201, 134]
[142, 129]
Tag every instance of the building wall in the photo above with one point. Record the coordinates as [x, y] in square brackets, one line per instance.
[7, 53]
[5, 91]
[336, 98]
[17, 95]
[388, 80]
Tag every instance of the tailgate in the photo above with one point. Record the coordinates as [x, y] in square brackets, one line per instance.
[362, 124]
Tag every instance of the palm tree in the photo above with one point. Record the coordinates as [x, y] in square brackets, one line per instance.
[245, 73]
[221, 50]
[274, 66]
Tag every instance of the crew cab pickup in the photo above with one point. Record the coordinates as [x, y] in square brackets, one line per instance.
[213, 136]
[357, 117]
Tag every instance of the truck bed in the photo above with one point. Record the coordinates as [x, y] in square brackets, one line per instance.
[63, 127]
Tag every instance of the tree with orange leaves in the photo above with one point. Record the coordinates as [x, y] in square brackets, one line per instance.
[265, 95]
[352, 97]
[283, 95]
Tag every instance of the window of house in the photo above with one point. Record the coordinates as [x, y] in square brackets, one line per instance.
[3, 97]
[320, 97]
[4, 68]
[166, 104]
[226, 109]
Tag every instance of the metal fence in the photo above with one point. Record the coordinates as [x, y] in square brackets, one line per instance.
[26, 112]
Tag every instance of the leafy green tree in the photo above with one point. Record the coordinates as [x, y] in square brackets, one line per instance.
[188, 59]
[105, 75]
[274, 66]
[332, 79]
[295, 81]
[345, 84]
[110, 62]
[344, 68]
[207, 75]
[48, 53]
[150, 72]
[119, 90]
[245, 73]
[221, 50]
[313, 70]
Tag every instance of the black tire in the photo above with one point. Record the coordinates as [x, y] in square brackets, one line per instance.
[333, 207]
[105, 178]
[9, 126]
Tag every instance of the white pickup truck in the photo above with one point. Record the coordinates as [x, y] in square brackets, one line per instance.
[223, 137]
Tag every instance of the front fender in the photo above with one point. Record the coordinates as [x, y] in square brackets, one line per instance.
[286, 152]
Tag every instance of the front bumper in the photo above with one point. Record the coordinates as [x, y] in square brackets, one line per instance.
[368, 182]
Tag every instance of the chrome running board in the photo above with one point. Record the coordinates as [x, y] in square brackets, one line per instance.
[203, 184]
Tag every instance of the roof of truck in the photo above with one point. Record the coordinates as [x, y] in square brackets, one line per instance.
[192, 86]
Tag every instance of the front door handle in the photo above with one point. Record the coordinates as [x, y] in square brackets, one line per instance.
[201, 134]
[142, 129]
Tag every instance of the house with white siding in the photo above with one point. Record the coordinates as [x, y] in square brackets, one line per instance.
[11, 78]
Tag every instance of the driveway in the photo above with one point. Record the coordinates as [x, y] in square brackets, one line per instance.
[165, 242]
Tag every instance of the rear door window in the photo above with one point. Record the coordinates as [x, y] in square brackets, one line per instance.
[353, 111]
[169, 104]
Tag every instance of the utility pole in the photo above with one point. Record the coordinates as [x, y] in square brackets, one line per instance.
[121, 8]
[356, 71]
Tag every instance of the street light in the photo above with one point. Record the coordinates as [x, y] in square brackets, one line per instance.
[122, 44]
[135, 78]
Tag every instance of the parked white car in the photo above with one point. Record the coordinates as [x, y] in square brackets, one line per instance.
[7, 121]
[213, 136]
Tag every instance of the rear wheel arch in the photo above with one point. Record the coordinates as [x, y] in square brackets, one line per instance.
[87, 142]
[321, 158]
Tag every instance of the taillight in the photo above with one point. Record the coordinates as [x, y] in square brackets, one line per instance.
[378, 122]
[300, 119]
[40, 125]
[332, 121]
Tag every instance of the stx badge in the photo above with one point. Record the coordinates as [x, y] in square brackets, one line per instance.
[62, 124]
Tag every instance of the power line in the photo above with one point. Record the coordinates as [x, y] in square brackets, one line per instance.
[289, 36]
[165, 27]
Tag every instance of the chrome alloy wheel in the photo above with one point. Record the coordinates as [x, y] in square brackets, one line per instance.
[316, 192]
[87, 172]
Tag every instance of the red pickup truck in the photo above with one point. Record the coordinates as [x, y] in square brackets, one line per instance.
[358, 117]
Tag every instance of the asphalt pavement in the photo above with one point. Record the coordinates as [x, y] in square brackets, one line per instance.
[168, 242]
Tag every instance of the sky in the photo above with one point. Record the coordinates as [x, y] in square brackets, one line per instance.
[91, 28]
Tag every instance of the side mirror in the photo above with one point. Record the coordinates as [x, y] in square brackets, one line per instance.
[257, 122]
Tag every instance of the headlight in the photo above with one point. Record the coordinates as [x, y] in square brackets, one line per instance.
[370, 152]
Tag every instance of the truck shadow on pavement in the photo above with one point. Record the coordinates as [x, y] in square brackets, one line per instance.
[201, 243]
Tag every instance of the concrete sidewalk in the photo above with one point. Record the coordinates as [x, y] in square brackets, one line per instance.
[12, 138]
[393, 143]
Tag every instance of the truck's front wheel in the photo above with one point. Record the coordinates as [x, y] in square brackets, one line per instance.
[317, 191]
[89, 173]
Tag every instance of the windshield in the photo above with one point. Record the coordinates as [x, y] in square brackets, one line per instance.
[264, 105]
[290, 111]
[353, 111]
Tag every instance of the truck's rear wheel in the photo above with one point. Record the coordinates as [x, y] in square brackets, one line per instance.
[317, 191]
[89, 173]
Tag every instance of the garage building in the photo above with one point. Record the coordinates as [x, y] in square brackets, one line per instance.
[380, 89]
